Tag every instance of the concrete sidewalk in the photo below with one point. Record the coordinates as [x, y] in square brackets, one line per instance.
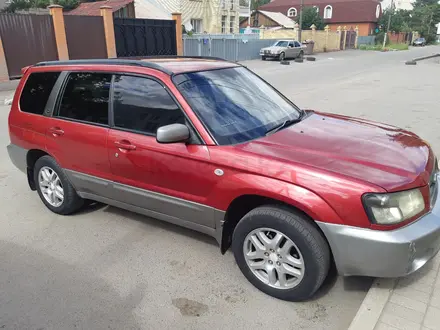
[409, 303]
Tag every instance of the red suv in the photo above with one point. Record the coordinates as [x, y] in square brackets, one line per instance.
[208, 145]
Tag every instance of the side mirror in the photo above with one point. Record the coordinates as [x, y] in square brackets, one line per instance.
[172, 133]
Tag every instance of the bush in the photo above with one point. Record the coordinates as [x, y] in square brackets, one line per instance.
[398, 46]
[363, 47]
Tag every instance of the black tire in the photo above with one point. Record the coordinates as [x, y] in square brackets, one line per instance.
[72, 202]
[313, 247]
[282, 57]
[263, 58]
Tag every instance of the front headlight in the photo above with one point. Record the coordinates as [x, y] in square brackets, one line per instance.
[388, 209]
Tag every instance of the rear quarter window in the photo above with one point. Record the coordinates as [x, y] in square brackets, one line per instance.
[36, 91]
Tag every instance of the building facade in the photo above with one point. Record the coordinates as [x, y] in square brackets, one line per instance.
[345, 13]
[210, 16]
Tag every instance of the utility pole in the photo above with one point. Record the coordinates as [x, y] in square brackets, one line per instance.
[300, 20]
[389, 24]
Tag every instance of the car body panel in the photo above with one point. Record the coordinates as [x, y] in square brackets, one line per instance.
[322, 166]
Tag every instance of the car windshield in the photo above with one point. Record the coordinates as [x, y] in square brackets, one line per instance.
[235, 104]
[281, 43]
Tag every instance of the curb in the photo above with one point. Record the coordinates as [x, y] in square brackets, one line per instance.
[425, 57]
[374, 302]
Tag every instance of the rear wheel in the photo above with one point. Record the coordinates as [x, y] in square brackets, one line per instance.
[281, 253]
[282, 56]
[301, 54]
[54, 188]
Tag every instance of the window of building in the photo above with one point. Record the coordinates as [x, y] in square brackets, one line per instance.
[292, 12]
[377, 11]
[232, 4]
[328, 11]
[317, 9]
[197, 25]
[231, 24]
[223, 4]
[36, 92]
[143, 105]
[223, 24]
[86, 97]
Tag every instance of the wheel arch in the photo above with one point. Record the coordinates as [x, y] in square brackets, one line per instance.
[31, 158]
[243, 204]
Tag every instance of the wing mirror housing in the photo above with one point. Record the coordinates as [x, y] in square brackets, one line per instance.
[172, 133]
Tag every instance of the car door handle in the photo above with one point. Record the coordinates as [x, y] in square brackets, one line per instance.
[124, 144]
[56, 131]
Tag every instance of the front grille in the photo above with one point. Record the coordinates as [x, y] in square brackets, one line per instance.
[433, 184]
[267, 52]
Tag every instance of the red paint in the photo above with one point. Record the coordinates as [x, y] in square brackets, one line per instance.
[322, 165]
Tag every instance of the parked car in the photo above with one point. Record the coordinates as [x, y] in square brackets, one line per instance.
[419, 42]
[283, 49]
[210, 146]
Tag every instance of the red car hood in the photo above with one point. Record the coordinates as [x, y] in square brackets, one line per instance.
[383, 155]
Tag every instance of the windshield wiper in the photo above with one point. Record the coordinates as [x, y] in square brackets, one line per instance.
[283, 125]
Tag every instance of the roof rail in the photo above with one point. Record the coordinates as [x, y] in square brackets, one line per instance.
[117, 61]
[135, 61]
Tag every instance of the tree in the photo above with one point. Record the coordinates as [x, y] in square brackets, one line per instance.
[424, 16]
[255, 4]
[310, 17]
[28, 4]
[400, 20]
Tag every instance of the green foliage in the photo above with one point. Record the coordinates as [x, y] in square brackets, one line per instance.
[422, 18]
[255, 4]
[310, 17]
[379, 47]
[28, 4]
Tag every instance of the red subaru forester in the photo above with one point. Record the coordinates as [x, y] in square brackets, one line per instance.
[208, 145]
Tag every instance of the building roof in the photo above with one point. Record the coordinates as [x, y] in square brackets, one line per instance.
[279, 18]
[93, 8]
[344, 11]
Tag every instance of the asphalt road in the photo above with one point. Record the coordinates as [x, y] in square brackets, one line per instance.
[106, 268]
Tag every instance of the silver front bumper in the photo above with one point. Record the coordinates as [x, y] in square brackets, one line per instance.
[395, 253]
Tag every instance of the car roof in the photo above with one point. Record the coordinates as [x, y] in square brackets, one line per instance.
[167, 64]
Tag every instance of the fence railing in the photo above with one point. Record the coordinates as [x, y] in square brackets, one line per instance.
[229, 49]
[241, 36]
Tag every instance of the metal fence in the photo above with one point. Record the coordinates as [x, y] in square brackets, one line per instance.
[85, 37]
[366, 40]
[241, 36]
[145, 37]
[27, 39]
[229, 49]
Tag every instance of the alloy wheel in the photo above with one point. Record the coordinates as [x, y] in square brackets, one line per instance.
[273, 258]
[51, 186]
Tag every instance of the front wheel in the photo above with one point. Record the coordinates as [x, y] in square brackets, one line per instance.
[281, 253]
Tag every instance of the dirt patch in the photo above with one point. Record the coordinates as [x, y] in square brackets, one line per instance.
[189, 307]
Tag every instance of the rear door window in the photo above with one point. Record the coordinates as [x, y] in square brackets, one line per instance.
[36, 91]
[297, 44]
[86, 97]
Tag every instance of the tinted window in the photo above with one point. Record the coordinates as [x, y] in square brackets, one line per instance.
[86, 97]
[297, 44]
[36, 91]
[290, 44]
[143, 105]
[281, 44]
[235, 104]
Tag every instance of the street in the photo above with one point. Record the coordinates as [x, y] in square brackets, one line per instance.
[106, 268]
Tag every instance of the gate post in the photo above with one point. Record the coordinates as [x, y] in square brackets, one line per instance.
[109, 30]
[178, 18]
[327, 29]
[345, 37]
[4, 74]
[357, 35]
[60, 31]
